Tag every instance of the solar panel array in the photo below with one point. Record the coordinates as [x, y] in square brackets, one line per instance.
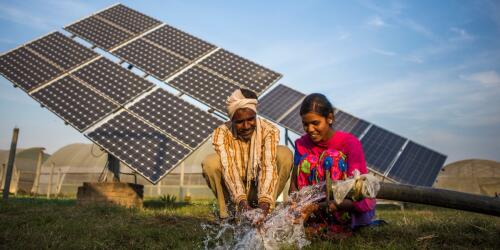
[113, 81]
[417, 165]
[151, 59]
[209, 88]
[112, 27]
[176, 117]
[381, 147]
[139, 145]
[385, 152]
[27, 70]
[144, 126]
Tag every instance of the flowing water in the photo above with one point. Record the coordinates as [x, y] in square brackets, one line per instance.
[283, 227]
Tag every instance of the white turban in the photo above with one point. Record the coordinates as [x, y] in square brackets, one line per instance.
[237, 101]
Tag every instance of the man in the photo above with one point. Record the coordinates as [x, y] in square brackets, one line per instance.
[249, 169]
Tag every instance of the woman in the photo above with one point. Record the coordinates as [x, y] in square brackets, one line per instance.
[321, 139]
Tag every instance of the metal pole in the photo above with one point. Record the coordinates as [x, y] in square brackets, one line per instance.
[114, 167]
[34, 189]
[10, 164]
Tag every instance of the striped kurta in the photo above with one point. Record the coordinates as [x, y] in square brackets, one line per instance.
[235, 156]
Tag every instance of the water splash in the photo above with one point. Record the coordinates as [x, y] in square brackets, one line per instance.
[283, 227]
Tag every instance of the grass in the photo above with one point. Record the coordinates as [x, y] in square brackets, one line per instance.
[29, 223]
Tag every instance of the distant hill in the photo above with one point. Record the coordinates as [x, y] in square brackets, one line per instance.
[474, 176]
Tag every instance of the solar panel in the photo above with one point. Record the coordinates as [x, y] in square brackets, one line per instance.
[176, 117]
[143, 148]
[241, 70]
[293, 121]
[151, 59]
[26, 70]
[114, 81]
[100, 33]
[129, 19]
[285, 96]
[74, 102]
[417, 165]
[180, 42]
[205, 86]
[348, 123]
[62, 51]
[381, 147]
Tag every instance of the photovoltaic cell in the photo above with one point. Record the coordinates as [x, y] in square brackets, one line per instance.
[129, 19]
[62, 51]
[100, 33]
[205, 87]
[27, 70]
[417, 165]
[241, 70]
[176, 117]
[143, 148]
[74, 102]
[381, 147]
[150, 58]
[112, 80]
[180, 42]
[284, 96]
[348, 123]
[293, 121]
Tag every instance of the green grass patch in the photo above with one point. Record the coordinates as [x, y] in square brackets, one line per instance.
[29, 223]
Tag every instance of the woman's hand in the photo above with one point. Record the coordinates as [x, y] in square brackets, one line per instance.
[345, 205]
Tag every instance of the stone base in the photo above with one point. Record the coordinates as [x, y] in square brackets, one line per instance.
[105, 193]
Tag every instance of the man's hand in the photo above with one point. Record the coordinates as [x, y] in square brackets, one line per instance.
[265, 207]
[243, 206]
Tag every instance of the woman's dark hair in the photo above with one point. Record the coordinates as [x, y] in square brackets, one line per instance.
[248, 94]
[316, 103]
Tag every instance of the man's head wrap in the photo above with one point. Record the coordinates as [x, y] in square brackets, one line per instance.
[237, 101]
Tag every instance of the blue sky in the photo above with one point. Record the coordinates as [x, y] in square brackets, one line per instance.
[426, 70]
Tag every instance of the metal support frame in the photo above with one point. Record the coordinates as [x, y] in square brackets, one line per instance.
[113, 165]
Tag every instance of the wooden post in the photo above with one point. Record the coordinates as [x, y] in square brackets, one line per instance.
[36, 181]
[2, 172]
[10, 164]
[49, 184]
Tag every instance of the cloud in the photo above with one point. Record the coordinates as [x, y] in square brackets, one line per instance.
[376, 22]
[343, 36]
[415, 59]
[486, 78]
[384, 52]
[461, 35]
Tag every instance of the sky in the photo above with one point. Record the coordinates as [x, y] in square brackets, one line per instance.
[425, 70]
